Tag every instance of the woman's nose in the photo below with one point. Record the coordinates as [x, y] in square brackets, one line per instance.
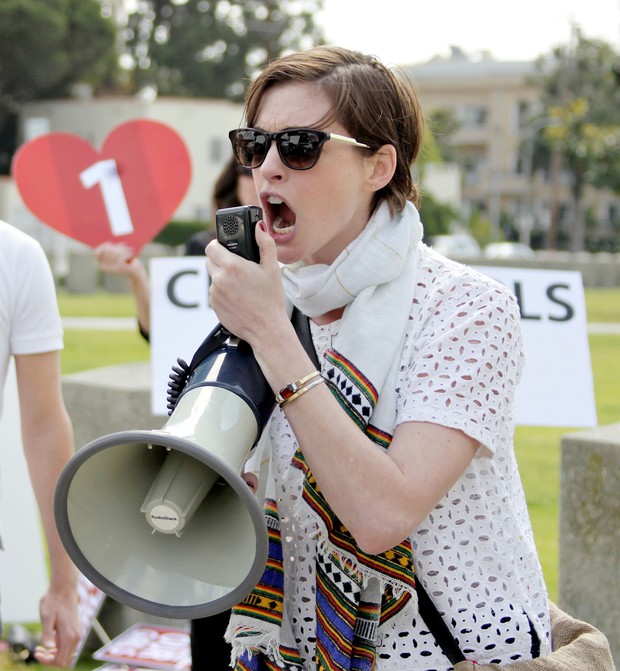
[272, 167]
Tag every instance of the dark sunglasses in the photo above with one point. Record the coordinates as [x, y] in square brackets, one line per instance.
[299, 148]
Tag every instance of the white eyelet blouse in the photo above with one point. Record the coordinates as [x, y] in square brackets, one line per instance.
[475, 552]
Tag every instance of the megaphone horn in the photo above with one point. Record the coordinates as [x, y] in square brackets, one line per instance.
[162, 520]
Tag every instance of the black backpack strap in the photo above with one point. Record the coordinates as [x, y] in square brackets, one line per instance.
[437, 626]
[302, 328]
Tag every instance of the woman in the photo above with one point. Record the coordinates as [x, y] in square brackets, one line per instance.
[394, 462]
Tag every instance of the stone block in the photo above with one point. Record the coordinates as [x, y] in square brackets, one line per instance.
[115, 284]
[83, 273]
[110, 399]
[589, 584]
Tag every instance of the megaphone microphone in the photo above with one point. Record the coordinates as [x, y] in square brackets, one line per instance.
[161, 520]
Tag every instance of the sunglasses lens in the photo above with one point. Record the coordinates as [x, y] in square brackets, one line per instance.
[250, 147]
[300, 149]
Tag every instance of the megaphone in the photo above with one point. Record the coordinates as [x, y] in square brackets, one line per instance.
[161, 520]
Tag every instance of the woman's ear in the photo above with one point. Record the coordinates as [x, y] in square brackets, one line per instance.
[381, 167]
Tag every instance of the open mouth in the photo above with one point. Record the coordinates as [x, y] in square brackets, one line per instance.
[281, 217]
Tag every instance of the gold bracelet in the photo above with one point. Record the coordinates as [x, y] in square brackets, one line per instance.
[297, 388]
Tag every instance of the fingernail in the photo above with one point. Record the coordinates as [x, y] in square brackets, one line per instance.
[262, 226]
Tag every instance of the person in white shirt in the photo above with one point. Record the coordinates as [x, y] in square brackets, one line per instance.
[31, 333]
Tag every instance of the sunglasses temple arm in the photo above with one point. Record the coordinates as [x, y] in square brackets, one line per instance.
[348, 140]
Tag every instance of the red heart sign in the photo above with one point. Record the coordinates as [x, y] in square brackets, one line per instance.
[126, 193]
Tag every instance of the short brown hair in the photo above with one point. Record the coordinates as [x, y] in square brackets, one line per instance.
[374, 104]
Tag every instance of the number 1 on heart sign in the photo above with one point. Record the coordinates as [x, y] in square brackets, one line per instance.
[105, 173]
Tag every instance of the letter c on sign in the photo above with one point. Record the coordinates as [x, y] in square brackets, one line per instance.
[170, 290]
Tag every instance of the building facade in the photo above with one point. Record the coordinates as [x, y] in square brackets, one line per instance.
[494, 101]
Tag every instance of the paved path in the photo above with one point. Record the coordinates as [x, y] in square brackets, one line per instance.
[101, 323]
[605, 328]
[130, 324]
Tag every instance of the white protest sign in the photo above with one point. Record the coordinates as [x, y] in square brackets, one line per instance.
[557, 387]
[180, 318]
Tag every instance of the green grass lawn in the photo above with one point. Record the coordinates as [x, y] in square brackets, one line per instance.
[94, 349]
[603, 304]
[100, 304]
[537, 448]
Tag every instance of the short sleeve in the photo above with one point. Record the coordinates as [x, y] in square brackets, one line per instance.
[36, 321]
[463, 360]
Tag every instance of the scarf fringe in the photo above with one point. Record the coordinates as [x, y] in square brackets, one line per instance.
[250, 640]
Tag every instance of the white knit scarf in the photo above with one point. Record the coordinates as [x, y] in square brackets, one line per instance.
[374, 279]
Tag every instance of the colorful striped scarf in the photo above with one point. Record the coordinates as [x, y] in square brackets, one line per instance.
[350, 601]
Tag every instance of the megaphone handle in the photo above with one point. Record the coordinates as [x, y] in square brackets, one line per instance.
[218, 336]
[177, 380]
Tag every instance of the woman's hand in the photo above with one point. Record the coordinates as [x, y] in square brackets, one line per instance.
[247, 297]
[118, 259]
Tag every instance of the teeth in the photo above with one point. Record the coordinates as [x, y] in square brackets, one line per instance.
[274, 200]
[280, 226]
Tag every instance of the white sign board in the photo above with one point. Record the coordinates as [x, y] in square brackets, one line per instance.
[180, 318]
[556, 389]
[23, 572]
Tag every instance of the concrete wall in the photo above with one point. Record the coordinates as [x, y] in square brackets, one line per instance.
[82, 275]
[597, 270]
[589, 586]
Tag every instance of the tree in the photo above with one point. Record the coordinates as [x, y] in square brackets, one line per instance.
[443, 124]
[46, 46]
[438, 217]
[579, 85]
[209, 48]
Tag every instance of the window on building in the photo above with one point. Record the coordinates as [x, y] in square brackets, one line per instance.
[472, 116]
[474, 167]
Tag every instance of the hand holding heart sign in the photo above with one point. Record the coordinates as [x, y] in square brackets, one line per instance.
[127, 192]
